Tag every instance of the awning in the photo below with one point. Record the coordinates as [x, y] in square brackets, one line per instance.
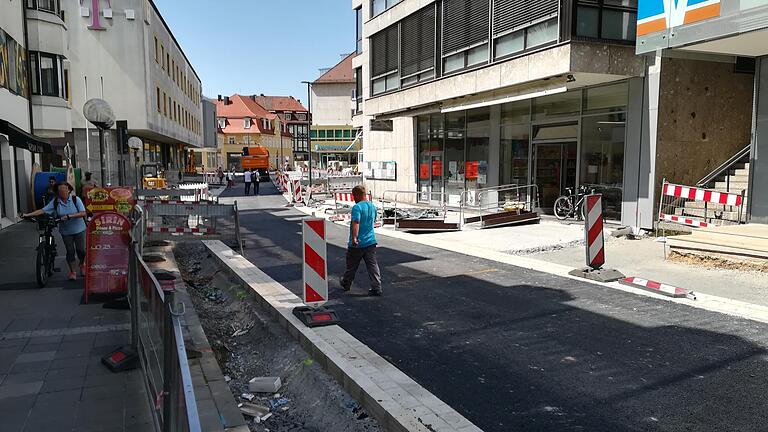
[19, 138]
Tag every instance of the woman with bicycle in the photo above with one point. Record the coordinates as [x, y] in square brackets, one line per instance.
[70, 210]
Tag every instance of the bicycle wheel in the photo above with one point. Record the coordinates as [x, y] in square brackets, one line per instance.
[563, 207]
[41, 266]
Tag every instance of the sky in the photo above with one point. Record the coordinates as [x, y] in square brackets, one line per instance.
[261, 46]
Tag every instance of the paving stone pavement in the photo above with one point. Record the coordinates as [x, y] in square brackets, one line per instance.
[51, 376]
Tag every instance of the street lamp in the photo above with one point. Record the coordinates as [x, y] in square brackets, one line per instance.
[135, 144]
[309, 127]
[100, 114]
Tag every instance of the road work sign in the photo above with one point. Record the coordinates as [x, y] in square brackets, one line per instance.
[593, 226]
[315, 262]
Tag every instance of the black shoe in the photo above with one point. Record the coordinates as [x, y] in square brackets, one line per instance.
[374, 292]
[345, 287]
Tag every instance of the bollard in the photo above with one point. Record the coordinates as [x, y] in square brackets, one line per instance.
[594, 243]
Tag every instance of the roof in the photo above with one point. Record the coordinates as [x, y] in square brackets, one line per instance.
[239, 108]
[280, 103]
[341, 73]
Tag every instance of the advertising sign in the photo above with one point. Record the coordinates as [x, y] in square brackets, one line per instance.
[108, 239]
[116, 199]
[424, 171]
[472, 170]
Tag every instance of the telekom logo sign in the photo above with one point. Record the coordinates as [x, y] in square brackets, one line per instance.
[96, 13]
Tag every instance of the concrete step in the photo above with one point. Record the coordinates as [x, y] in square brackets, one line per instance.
[711, 214]
[711, 206]
[733, 186]
[745, 240]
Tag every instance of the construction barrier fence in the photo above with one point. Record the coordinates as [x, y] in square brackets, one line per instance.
[699, 207]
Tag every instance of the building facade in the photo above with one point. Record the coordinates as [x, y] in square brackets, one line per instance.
[731, 35]
[127, 55]
[295, 116]
[243, 122]
[333, 136]
[472, 94]
[19, 148]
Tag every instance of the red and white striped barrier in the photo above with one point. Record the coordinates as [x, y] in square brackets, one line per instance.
[657, 287]
[346, 198]
[298, 198]
[315, 262]
[705, 195]
[593, 226]
[151, 230]
[683, 220]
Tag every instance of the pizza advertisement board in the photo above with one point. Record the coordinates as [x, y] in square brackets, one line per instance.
[113, 199]
[108, 239]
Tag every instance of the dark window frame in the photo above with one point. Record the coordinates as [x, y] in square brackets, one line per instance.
[359, 30]
[601, 7]
[388, 4]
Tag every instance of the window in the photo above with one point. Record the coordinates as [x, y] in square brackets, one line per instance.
[165, 104]
[247, 123]
[359, 29]
[338, 133]
[607, 19]
[157, 51]
[162, 56]
[175, 112]
[301, 117]
[358, 90]
[465, 33]
[51, 6]
[379, 6]
[158, 100]
[417, 50]
[321, 133]
[231, 140]
[384, 59]
[287, 116]
[46, 75]
[531, 37]
[347, 133]
[168, 63]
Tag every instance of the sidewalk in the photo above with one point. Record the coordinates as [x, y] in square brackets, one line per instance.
[51, 376]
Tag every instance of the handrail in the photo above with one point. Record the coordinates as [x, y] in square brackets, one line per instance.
[397, 193]
[727, 165]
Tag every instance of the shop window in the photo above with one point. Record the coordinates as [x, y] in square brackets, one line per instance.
[516, 112]
[477, 141]
[514, 149]
[338, 133]
[347, 133]
[607, 19]
[602, 158]
[606, 99]
[557, 105]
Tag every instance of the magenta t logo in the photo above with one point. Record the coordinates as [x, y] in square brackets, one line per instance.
[95, 12]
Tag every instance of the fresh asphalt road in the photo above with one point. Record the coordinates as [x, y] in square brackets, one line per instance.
[513, 349]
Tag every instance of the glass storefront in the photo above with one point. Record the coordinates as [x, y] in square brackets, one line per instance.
[557, 141]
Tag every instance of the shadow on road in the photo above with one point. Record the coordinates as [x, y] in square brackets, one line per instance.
[513, 349]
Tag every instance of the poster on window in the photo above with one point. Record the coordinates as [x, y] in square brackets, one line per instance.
[424, 171]
[472, 169]
[437, 168]
[380, 170]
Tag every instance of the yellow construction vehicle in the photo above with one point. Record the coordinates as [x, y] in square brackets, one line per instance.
[152, 176]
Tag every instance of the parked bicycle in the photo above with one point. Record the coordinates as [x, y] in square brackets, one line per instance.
[46, 248]
[571, 204]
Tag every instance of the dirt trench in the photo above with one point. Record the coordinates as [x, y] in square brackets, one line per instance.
[247, 344]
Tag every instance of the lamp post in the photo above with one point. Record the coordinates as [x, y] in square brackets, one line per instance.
[309, 127]
[135, 144]
[100, 114]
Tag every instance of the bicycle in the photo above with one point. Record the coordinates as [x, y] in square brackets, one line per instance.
[46, 248]
[571, 204]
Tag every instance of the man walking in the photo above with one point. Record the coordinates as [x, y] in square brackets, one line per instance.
[247, 180]
[256, 179]
[362, 243]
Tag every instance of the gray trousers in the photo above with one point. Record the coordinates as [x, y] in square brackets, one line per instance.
[75, 245]
[354, 256]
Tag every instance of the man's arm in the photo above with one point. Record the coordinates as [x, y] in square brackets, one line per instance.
[355, 231]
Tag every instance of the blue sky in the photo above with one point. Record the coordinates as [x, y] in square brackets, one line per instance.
[261, 46]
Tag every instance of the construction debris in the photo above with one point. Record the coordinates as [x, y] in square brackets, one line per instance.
[265, 384]
[253, 410]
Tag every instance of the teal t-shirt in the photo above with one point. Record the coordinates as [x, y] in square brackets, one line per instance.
[365, 213]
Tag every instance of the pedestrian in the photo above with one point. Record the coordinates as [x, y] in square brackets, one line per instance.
[256, 181]
[220, 175]
[247, 176]
[70, 209]
[50, 191]
[362, 243]
[231, 177]
[89, 183]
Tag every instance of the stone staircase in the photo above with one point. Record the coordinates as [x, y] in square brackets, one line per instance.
[734, 181]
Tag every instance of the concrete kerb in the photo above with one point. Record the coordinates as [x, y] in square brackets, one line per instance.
[703, 301]
[375, 383]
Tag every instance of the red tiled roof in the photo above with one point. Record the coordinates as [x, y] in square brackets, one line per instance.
[240, 107]
[341, 73]
[280, 103]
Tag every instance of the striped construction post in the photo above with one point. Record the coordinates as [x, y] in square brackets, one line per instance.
[593, 227]
[297, 192]
[315, 272]
[658, 287]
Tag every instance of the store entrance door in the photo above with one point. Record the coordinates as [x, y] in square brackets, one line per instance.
[554, 170]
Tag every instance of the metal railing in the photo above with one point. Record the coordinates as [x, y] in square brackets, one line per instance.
[699, 207]
[427, 209]
[725, 168]
[495, 199]
[157, 338]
